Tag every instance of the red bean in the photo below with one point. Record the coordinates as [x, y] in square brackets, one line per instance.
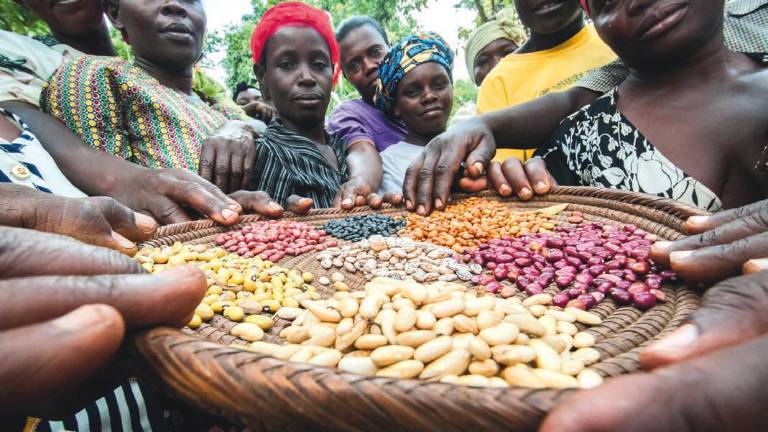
[644, 300]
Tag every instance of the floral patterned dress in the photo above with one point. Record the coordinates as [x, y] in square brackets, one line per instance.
[598, 146]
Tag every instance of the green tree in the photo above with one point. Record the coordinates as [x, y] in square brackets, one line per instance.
[17, 19]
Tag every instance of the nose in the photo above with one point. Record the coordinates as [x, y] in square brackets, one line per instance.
[638, 6]
[306, 79]
[370, 67]
[430, 96]
[173, 8]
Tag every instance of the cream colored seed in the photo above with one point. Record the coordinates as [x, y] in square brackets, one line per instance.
[425, 320]
[522, 376]
[584, 317]
[405, 369]
[391, 354]
[564, 327]
[572, 367]
[502, 334]
[561, 316]
[508, 355]
[486, 368]
[406, 319]
[204, 311]
[555, 379]
[538, 299]
[370, 342]
[546, 356]
[487, 319]
[247, 331]
[538, 310]
[472, 380]
[433, 349]
[583, 340]
[453, 363]
[340, 286]
[361, 365]
[479, 349]
[448, 308]
[415, 338]
[588, 378]
[465, 324]
[262, 321]
[195, 322]
[234, 313]
[587, 355]
[444, 326]
[328, 358]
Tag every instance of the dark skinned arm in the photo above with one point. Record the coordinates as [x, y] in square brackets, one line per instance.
[429, 178]
[365, 173]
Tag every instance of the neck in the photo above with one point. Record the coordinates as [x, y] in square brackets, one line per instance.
[543, 41]
[315, 133]
[97, 43]
[419, 139]
[709, 61]
[180, 81]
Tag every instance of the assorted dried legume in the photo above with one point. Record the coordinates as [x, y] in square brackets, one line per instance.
[273, 240]
[356, 228]
[442, 332]
[470, 222]
[588, 261]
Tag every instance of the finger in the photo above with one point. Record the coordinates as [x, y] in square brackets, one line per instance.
[755, 266]
[360, 201]
[375, 201]
[168, 210]
[473, 185]
[749, 224]
[699, 224]
[25, 252]
[426, 177]
[515, 174]
[235, 178]
[393, 198]
[480, 156]
[207, 161]
[258, 202]
[194, 192]
[249, 161]
[445, 171]
[410, 183]
[51, 357]
[168, 298]
[298, 204]
[221, 169]
[715, 263]
[348, 196]
[134, 226]
[731, 312]
[498, 180]
[538, 176]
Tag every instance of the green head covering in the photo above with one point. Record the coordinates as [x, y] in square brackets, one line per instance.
[504, 26]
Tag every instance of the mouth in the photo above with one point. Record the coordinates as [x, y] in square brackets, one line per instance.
[547, 6]
[432, 112]
[65, 3]
[661, 20]
[178, 32]
[308, 100]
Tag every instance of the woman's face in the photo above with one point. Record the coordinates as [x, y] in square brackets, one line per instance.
[167, 33]
[424, 99]
[297, 76]
[547, 16]
[490, 56]
[70, 18]
[362, 51]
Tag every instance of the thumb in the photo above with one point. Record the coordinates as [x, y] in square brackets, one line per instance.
[52, 357]
[480, 156]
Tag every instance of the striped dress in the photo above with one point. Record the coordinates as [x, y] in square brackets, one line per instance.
[290, 164]
[119, 108]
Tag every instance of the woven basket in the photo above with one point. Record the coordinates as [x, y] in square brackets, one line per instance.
[269, 394]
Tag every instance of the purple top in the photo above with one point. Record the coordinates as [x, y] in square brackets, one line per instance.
[355, 120]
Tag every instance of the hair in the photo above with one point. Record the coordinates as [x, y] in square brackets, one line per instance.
[355, 22]
[241, 87]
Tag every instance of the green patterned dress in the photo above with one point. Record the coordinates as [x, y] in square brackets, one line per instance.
[119, 108]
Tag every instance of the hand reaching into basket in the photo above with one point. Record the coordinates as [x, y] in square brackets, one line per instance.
[67, 306]
[710, 374]
[228, 156]
[357, 193]
[725, 244]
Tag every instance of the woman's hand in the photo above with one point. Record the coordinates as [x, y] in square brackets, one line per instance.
[227, 158]
[357, 193]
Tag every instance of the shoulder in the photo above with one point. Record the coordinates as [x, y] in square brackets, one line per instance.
[349, 110]
[95, 66]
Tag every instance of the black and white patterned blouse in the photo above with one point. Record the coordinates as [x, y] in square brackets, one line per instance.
[598, 146]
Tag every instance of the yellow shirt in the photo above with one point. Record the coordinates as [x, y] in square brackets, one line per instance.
[519, 78]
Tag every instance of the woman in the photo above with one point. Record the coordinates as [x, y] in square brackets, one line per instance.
[491, 42]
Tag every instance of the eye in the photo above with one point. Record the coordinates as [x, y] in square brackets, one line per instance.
[286, 65]
[376, 52]
[354, 67]
[320, 64]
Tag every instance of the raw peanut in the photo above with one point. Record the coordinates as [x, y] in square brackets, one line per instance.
[449, 379]
[266, 348]
[572, 367]
[433, 349]
[370, 342]
[486, 368]
[415, 338]
[371, 305]
[502, 334]
[405, 370]
[564, 327]
[414, 292]
[527, 324]
[444, 326]
[195, 322]
[583, 340]
[341, 295]
[406, 319]
[546, 356]
[234, 313]
[340, 286]
[496, 382]
[355, 333]
[345, 325]
[262, 321]
[387, 286]
[511, 306]
[288, 313]
[303, 355]
[448, 308]
[479, 349]
[584, 317]
[322, 313]
[461, 341]
[508, 355]
[550, 325]
[436, 295]
[401, 303]
[287, 351]
[588, 356]
[247, 331]
[347, 307]
[425, 320]
[556, 343]
[588, 378]
[328, 358]
[561, 316]
[538, 299]
[521, 375]
[472, 380]
[295, 335]
[465, 324]
[568, 340]
[321, 336]
[204, 311]
[388, 317]
[555, 379]
[391, 354]
[522, 339]
[538, 310]
[473, 306]
[374, 329]
[487, 319]
[453, 363]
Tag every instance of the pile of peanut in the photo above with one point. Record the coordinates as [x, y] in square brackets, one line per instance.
[441, 332]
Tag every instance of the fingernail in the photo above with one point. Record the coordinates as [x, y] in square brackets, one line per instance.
[122, 241]
[275, 206]
[305, 201]
[678, 340]
[84, 316]
[144, 222]
[346, 202]
[755, 265]
[438, 203]
[409, 205]
[421, 210]
[177, 272]
[698, 220]
[505, 190]
[540, 187]
[678, 256]
[478, 166]
[227, 214]
[661, 247]
[526, 193]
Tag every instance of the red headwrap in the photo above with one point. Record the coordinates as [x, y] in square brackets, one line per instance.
[298, 15]
[584, 5]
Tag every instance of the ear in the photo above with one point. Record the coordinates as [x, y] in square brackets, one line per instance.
[259, 71]
[112, 10]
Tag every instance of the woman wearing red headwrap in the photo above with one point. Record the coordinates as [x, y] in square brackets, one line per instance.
[296, 59]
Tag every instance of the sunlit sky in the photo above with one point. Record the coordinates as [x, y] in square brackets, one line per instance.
[439, 16]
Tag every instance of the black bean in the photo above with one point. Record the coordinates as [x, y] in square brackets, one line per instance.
[356, 228]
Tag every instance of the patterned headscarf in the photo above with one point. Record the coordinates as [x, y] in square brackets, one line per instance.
[300, 15]
[412, 51]
[505, 26]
